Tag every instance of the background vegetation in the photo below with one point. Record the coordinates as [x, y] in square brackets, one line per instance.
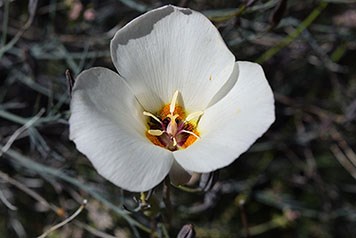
[298, 180]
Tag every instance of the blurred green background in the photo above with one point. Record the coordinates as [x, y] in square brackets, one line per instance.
[298, 180]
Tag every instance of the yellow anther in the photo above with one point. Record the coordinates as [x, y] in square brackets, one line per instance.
[172, 106]
[153, 116]
[155, 132]
[194, 115]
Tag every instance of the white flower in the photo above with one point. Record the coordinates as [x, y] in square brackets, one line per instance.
[179, 102]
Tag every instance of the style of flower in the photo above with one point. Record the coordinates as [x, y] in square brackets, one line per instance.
[179, 103]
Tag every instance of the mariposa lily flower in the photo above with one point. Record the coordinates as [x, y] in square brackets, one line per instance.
[179, 103]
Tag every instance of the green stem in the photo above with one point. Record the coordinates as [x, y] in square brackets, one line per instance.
[292, 36]
[5, 22]
[167, 200]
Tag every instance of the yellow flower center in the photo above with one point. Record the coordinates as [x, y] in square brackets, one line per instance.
[170, 128]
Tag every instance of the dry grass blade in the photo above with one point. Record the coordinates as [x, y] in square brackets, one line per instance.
[6, 201]
[69, 219]
[15, 39]
[19, 131]
[302, 163]
[28, 191]
[32, 6]
[349, 153]
[344, 161]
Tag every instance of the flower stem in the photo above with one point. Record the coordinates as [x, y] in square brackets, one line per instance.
[167, 200]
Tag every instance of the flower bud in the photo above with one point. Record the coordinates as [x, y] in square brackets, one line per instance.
[187, 231]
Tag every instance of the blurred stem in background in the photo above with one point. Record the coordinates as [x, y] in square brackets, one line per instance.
[292, 36]
[298, 179]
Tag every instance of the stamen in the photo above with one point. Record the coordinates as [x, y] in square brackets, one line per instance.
[153, 116]
[191, 133]
[172, 123]
[172, 106]
[174, 142]
[155, 132]
[194, 115]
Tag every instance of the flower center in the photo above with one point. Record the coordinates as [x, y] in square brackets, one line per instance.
[170, 128]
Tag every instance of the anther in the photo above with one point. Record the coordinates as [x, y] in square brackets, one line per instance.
[155, 132]
[172, 106]
[172, 124]
[153, 116]
[194, 115]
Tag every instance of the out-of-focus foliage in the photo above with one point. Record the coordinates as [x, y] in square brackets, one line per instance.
[298, 180]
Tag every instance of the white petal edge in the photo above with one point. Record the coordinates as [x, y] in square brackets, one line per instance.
[169, 49]
[107, 126]
[233, 124]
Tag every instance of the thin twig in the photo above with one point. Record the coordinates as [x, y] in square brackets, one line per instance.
[69, 219]
[29, 192]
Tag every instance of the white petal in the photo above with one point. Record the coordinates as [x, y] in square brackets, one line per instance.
[225, 89]
[107, 125]
[169, 49]
[231, 125]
